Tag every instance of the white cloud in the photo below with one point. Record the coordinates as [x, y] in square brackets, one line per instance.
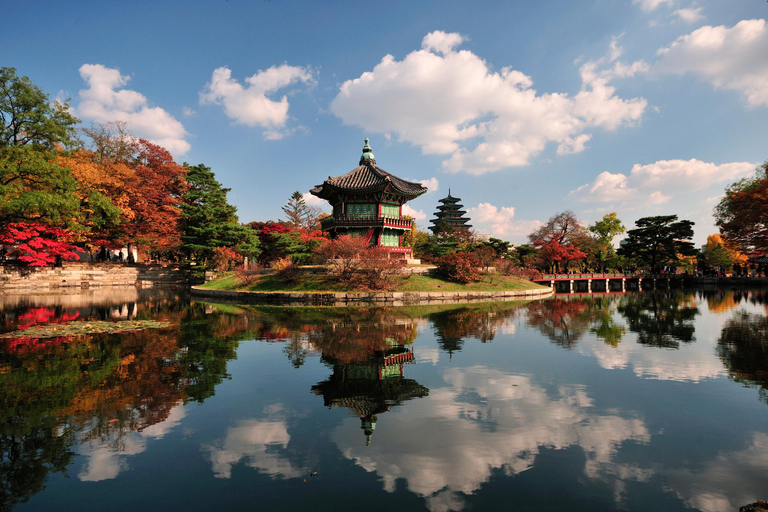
[651, 182]
[431, 184]
[732, 58]
[451, 450]
[105, 100]
[499, 221]
[730, 480]
[416, 214]
[105, 457]
[251, 105]
[689, 15]
[448, 102]
[652, 5]
[259, 443]
[188, 112]
[313, 200]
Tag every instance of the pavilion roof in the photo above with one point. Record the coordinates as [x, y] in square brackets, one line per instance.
[367, 177]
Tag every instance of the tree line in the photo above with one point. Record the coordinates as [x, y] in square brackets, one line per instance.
[65, 191]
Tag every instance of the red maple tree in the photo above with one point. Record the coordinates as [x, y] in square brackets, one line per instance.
[38, 245]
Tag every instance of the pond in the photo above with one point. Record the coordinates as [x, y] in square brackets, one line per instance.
[638, 401]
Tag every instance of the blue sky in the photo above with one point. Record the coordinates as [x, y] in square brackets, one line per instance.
[524, 109]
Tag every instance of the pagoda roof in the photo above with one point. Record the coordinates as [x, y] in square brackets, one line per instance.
[367, 177]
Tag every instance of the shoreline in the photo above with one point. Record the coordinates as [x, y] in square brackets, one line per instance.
[341, 299]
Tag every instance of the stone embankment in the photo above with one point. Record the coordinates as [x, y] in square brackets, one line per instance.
[340, 299]
[21, 279]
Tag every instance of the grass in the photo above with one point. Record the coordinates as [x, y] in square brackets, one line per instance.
[325, 283]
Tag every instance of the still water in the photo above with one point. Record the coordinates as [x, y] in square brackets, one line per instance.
[643, 402]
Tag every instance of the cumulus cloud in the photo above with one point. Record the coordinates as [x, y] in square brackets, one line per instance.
[727, 482]
[732, 58]
[257, 441]
[105, 459]
[431, 184]
[449, 102]
[499, 221]
[451, 449]
[106, 100]
[689, 15]
[313, 200]
[652, 5]
[650, 182]
[251, 105]
[418, 215]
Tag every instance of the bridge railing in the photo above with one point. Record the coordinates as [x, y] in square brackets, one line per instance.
[605, 275]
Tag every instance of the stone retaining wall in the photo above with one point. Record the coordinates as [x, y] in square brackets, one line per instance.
[19, 278]
[340, 299]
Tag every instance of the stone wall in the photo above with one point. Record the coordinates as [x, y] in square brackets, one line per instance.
[370, 298]
[15, 278]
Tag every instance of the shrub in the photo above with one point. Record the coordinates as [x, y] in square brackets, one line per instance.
[286, 269]
[377, 268]
[459, 267]
[507, 267]
[485, 256]
[247, 275]
[342, 255]
[223, 258]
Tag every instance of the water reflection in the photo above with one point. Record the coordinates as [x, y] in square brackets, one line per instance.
[661, 320]
[370, 387]
[743, 347]
[99, 390]
[468, 426]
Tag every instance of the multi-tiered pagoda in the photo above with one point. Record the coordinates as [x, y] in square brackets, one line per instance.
[450, 215]
[368, 202]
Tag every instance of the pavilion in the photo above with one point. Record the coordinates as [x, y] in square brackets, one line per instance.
[368, 201]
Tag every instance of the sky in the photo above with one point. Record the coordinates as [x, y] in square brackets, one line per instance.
[522, 109]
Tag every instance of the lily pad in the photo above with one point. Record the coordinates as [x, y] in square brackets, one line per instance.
[88, 327]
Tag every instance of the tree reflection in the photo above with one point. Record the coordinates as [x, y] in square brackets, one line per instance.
[562, 321]
[100, 388]
[455, 326]
[661, 320]
[743, 348]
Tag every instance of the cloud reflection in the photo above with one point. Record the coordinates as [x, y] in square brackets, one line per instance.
[258, 442]
[485, 420]
[106, 458]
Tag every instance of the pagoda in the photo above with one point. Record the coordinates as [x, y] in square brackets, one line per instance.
[368, 201]
[450, 214]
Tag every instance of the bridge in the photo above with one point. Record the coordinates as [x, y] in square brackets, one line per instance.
[607, 282]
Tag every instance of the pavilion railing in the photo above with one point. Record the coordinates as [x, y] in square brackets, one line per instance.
[365, 222]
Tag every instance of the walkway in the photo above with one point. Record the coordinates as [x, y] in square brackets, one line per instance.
[606, 282]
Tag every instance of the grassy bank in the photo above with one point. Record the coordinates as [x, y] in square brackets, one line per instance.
[411, 283]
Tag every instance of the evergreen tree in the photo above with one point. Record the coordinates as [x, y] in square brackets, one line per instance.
[208, 220]
[657, 241]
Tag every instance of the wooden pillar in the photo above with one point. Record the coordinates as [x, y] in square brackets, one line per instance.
[623, 284]
[589, 285]
[570, 286]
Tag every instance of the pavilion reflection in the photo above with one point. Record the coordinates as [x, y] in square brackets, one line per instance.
[368, 376]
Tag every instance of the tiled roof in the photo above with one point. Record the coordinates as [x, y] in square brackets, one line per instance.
[367, 177]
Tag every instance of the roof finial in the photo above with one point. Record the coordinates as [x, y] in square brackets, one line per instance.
[449, 191]
[367, 154]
